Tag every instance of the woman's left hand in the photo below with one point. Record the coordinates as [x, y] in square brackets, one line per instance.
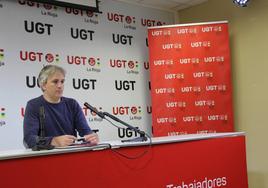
[93, 138]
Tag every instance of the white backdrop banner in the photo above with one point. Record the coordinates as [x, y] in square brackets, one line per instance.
[105, 55]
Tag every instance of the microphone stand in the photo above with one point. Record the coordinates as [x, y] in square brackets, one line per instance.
[102, 115]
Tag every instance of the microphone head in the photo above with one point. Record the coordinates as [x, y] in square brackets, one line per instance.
[86, 104]
[93, 109]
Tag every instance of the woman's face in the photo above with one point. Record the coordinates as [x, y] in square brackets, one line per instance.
[53, 88]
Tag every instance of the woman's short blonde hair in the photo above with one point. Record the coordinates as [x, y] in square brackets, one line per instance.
[48, 71]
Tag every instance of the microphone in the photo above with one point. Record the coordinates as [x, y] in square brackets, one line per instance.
[103, 114]
[42, 121]
[41, 142]
[92, 109]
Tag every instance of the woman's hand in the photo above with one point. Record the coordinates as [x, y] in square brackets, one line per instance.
[62, 141]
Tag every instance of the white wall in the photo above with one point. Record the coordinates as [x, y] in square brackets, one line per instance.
[33, 35]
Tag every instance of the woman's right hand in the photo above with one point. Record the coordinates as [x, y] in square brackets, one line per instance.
[62, 141]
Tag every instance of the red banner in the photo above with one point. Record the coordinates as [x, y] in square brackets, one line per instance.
[190, 79]
[210, 163]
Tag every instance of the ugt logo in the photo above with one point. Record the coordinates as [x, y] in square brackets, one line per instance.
[83, 34]
[83, 60]
[125, 84]
[84, 83]
[122, 63]
[122, 133]
[38, 56]
[80, 12]
[122, 39]
[150, 22]
[120, 18]
[35, 4]
[31, 82]
[37, 27]
[126, 110]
